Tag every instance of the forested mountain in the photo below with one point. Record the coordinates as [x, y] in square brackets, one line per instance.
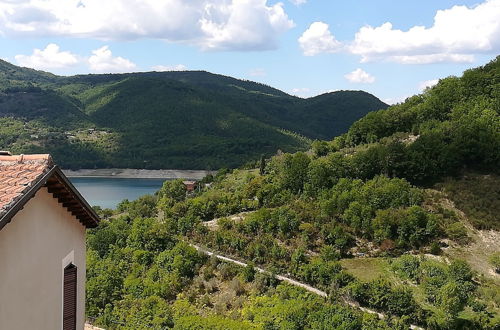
[399, 215]
[191, 119]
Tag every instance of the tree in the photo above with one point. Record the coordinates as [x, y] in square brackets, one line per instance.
[320, 148]
[248, 272]
[295, 171]
[150, 312]
[172, 192]
[262, 166]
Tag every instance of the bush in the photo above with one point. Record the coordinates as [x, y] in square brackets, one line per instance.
[495, 261]
[237, 286]
[435, 249]
[407, 266]
[227, 271]
[457, 232]
[248, 272]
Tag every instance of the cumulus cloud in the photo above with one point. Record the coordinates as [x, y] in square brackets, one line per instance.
[103, 61]
[360, 77]
[208, 24]
[426, 84]
[318, 39]
[49, 58]
[457, 34]
[243, 25]
[177, 67]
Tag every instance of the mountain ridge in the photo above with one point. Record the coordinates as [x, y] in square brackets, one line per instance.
[176, 119]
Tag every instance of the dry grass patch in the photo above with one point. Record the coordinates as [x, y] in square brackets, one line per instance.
[367, 269]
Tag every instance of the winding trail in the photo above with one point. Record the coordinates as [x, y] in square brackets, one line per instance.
[292, 282]
[260, 270]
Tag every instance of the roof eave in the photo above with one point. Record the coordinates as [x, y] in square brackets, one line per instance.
[85, 205]
[42, 181]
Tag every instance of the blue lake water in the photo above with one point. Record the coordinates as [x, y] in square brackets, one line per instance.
[108, 192]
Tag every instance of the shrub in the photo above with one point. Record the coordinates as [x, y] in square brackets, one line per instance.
[495, 261]
[457, 232]
[248, 272]
[237, 286]
[407, 266]
[435, 249]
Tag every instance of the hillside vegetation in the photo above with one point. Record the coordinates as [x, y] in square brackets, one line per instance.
[478, 196]
[382, 216]
[193, 120]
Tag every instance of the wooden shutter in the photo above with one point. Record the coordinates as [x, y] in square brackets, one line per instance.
[69, 298]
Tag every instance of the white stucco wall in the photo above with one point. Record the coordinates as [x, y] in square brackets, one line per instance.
[35, 247]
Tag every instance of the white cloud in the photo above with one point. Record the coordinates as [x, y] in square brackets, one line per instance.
[177, 67]
[301, 92]
[428, 59]
[208, 24]
[298, 2]
[103, 61]
[457, 34]
[395, 100]
[243, 25]
[428, 83]
[318, 39]
[257, 72]
[49, 58]
[360, 77]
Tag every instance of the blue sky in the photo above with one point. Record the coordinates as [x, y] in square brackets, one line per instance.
[305, 47]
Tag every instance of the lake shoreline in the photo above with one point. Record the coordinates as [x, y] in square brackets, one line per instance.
[130, 173]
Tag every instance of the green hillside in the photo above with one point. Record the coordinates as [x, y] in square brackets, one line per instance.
[398, 215]
[191, 119]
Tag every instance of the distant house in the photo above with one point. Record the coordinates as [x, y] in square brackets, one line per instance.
[43, 220]
[190, 185]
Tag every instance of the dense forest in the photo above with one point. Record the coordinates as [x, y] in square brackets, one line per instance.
[184, 120]
[398, 215]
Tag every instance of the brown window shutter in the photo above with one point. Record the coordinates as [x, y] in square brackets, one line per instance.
[69, 298]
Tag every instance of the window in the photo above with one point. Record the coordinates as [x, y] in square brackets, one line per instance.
[69, 298]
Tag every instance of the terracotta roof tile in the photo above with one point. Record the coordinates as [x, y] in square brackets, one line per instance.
[17, 174]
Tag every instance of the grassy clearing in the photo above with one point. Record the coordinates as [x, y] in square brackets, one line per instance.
[367, 269]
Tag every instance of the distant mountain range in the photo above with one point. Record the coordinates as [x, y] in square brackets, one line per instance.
[189, 119]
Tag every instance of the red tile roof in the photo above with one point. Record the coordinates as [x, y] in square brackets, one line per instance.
[21, 177]
[18, 174]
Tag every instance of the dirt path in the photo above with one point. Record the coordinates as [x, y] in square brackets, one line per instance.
[261, 270]
[213, 224]
[291, 281]
[483, 244]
